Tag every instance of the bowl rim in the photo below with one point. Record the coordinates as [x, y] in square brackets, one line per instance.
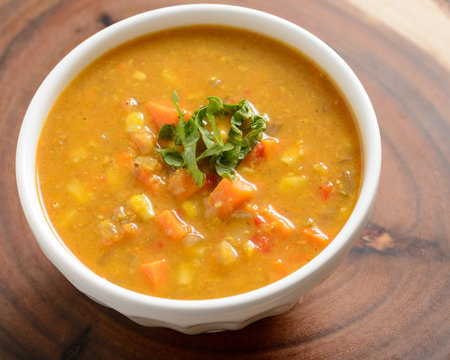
[133, 302]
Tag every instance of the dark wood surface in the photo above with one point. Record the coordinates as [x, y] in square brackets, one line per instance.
[390, 299]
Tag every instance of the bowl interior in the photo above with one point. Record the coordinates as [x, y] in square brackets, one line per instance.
[132, 303]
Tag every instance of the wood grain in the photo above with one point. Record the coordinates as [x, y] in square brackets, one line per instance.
[389, 300]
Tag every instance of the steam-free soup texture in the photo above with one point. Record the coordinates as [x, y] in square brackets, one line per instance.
[117, 183]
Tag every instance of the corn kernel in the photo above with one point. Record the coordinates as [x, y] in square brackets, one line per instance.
[134, 121]
[141, 204]
[321, 168]
[249, 248]
[190, 209]
[139, 75]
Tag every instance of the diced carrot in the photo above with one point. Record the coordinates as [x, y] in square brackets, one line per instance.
[173, 227]
[315, 234]
[262, 243]
[164, 114]
[270, 146]
[146, 177]
[124, 159]
[269, 220]
[182, 184]
[280, 223]
[228, 196]
[326, 190]
[257, 151]
[129, 229]
[264, 149]
[156, 272]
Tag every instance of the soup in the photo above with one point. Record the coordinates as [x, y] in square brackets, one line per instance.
[198, 163]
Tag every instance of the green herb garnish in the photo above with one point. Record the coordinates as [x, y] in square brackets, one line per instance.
[223, 157]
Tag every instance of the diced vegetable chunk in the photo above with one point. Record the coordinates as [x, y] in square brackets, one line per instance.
[184, 274]
[129, 229]
[134, 121]
[320, 168]
[226, 253]
[173, 227]
[139, 75]
[146, 172]
[190, 209]
[116, 176]
[290, 156]
[249, 248]
[78, 154]
[78, 190]
[314, 233]
[108, 232]
[326, 190]
[269, 220]
[148, 162]
[264, 149]
[124, 159]
[262, 242]
[291, 183]
[144, 140]
[164, 114]
[182, 184]
[228, 196]
[156, 272]
[142, 205]
[271, 146]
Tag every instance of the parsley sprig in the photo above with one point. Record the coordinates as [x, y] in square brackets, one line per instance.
[223, 157]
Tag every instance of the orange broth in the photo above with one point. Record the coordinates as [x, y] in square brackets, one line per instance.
[141, 224]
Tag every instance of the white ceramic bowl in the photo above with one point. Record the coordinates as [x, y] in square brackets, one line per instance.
[196, 316]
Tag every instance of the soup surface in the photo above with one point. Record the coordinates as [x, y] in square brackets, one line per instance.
[146, 225]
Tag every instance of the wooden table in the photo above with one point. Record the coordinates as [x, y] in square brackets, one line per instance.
[391, 297]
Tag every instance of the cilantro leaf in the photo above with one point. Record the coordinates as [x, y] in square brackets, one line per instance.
[215, 150]
[172, 157]
[175, 100]
[167, 132]
[223, 157]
